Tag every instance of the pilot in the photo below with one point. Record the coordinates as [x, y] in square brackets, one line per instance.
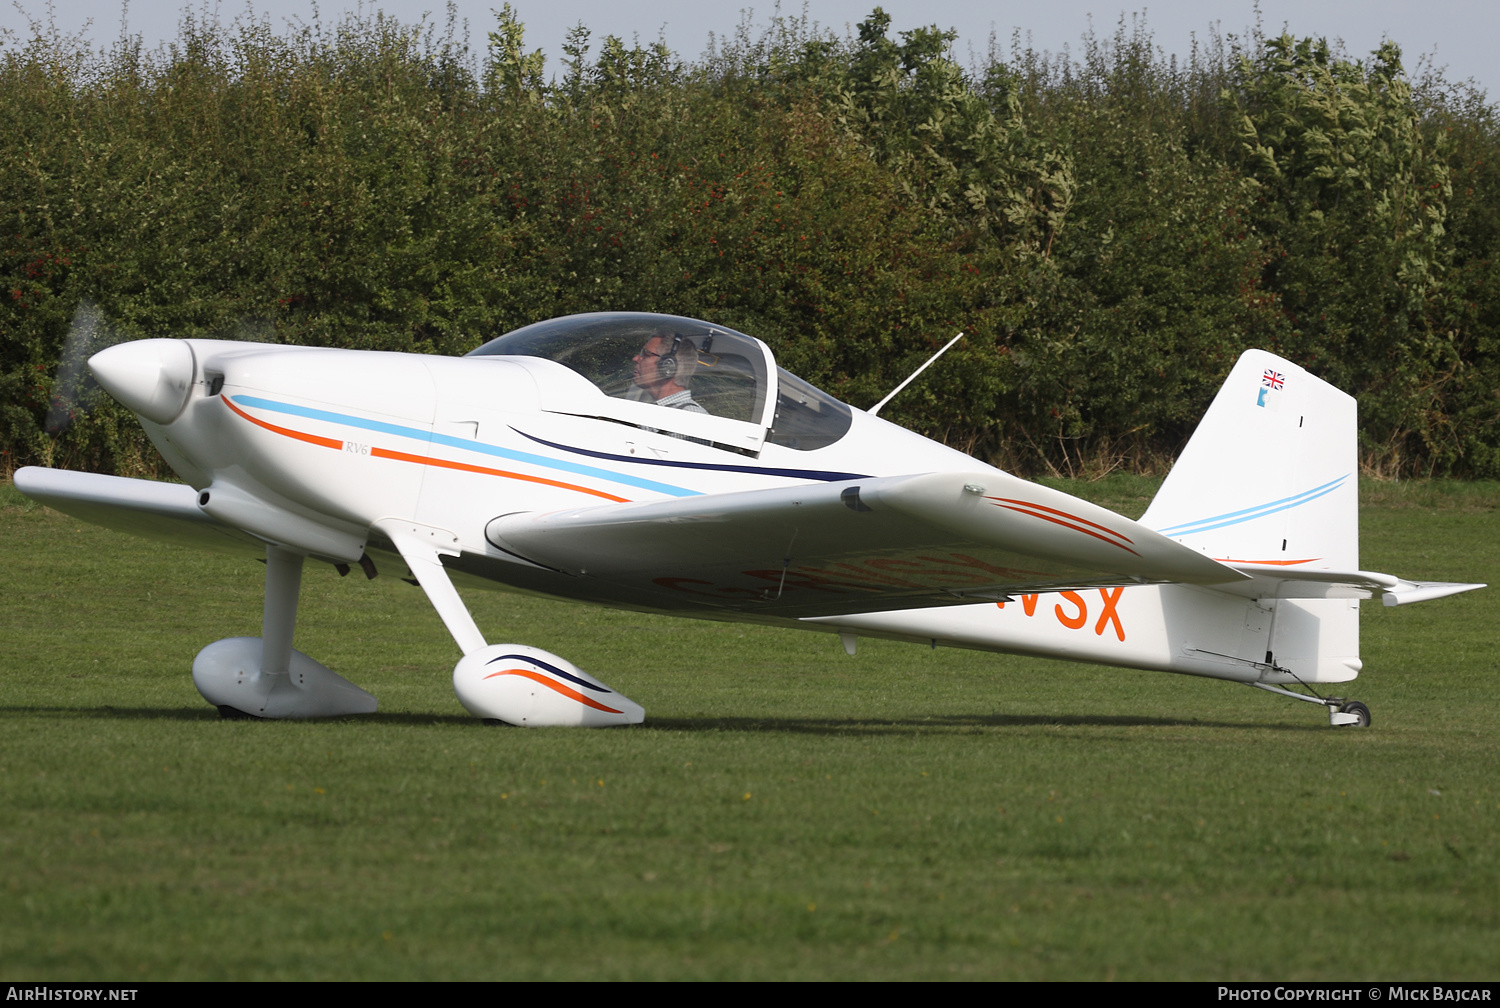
[663, 369]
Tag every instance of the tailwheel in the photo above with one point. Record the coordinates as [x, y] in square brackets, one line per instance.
[1351, 712]
[1341, 712]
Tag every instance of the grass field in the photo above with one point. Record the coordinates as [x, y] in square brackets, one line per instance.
[786, 812]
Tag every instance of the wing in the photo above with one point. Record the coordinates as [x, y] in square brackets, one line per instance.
[826, 549]
[165, 511]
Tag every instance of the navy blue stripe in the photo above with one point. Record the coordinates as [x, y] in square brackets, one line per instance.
[810, 474]
[553, 669]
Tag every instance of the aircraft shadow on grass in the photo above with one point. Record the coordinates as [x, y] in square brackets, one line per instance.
[938, 724]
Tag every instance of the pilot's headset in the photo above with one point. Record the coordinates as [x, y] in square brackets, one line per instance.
[668, 366]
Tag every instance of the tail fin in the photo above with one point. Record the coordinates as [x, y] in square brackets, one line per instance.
[1270, 475]
[1269, 480]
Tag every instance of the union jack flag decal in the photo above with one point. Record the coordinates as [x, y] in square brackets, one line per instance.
[1272, 379]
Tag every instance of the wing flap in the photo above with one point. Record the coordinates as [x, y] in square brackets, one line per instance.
[855, 546]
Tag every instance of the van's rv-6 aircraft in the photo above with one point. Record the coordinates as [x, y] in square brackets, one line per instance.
[565, 459]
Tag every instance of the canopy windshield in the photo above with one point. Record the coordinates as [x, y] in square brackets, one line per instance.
[626, 354]
[725, 373]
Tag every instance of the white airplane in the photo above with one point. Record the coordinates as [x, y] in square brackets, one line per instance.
[665, 464]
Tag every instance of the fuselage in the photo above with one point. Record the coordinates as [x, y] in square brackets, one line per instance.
[315, 450]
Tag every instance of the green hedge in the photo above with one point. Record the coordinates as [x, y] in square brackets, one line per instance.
[1109, 232]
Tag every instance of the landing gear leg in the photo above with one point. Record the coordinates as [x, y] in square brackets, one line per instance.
[511, 683]
[1341, 712]
[265, 677]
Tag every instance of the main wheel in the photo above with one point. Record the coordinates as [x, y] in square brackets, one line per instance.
[1359, 710]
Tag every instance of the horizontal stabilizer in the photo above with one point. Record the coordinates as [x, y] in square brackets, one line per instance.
[1424, 591]
[1270, 582]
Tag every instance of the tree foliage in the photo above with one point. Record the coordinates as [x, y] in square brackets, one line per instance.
[1109, 233]
[1353, 197]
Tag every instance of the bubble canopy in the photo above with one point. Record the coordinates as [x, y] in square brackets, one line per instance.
[639, 356]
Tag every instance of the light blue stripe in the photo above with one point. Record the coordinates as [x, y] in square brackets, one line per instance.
[1249, 514]
[430, 437]
[1294, 498]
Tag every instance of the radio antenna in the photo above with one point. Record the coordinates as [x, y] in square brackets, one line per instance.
[913, 376]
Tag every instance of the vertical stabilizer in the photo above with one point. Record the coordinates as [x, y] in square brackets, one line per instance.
[1270, 475]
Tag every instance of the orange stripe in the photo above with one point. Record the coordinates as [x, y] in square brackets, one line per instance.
[564, 690]
[1271, 563]
[337, 445]
[287, 432]
[465, 467]
[1073, 517]
[1072, 528]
